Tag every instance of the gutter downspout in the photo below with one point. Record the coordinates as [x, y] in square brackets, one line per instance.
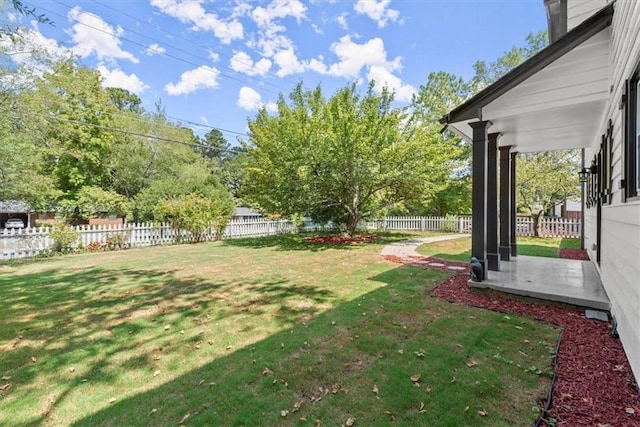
[582, 204]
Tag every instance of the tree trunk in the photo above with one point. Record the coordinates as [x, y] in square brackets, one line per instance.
[352, 223]
[536, 223]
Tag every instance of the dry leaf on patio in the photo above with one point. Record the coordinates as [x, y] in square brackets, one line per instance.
[351, 421]
[375, 389]
[415, 378]
[184, 418]
[156, 373]
[483, 413]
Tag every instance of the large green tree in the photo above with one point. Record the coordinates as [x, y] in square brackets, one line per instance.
[339, 159]
[546, 179]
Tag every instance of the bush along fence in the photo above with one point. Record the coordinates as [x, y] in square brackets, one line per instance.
[30, 242]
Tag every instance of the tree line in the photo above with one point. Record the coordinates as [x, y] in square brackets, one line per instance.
[83, 150]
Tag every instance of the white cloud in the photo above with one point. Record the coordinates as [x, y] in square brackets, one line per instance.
[118, 78]
[342, 21]
[242, 63]
[353, 57]
[382, 77]
[250, 100]
[288, 63]
[154, 49]
[92, 35]
[204, 120]
[378, 11]
[192, 12]
[278, 9]
[24, 49]
[192, 80]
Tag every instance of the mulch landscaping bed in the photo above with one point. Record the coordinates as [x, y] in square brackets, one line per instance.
[579, 254]
[341, 240]
[593, 384]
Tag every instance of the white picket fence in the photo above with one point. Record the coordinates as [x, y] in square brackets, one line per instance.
[549, 227]
[29, 242]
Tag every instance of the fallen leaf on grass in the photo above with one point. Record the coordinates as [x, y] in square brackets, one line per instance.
[297, 406]
[6, 378]
[483, 413]
[33, 359]
[113, 399]
[267, 371]
[5, 386]
[200, 382]
[184, 418]
[72, 369]
[351, 421]
[415, 378]
[156, 373]
[472, 362]
[153, 411]
[284, 413]
[466, 408]
[335, 388]
[166, 327]
[375, 389]
[429, 389]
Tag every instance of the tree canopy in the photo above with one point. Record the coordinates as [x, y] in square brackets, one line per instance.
[339, 159]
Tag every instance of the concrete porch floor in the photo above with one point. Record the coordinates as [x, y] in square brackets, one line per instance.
[563, 280]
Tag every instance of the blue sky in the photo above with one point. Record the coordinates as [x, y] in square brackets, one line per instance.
[215, 62]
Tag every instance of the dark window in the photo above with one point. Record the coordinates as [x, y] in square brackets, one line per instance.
[632, 137]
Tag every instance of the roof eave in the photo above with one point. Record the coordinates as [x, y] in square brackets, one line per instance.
[472, 108]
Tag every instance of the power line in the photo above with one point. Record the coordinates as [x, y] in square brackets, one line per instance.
[143, 135]
[178, 36]
[163, 53]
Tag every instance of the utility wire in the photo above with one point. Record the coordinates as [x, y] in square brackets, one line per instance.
[178, 36]
[143, 135]
[210, 69]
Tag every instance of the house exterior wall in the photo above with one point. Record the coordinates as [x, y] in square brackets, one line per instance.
[579, 10]
[620, 242]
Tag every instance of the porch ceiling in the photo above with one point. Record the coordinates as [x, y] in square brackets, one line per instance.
[554, 101]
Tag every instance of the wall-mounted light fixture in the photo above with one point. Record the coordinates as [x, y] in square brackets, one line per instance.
[584, 175]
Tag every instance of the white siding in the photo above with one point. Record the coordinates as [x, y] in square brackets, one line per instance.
[620, 248]
[579, 10]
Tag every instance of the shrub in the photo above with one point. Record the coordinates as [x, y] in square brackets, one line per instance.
[117, 241]
[64, 237]
[95, 246]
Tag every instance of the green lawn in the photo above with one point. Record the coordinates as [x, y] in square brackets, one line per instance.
[460, 249]
[266, 331]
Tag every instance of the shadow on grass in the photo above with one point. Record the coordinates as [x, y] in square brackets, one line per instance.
[295, 242]
[347, 349]
[56, 319]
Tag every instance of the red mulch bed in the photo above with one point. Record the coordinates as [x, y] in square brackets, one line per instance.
[341, 240]
[594, 385]
[579, 254]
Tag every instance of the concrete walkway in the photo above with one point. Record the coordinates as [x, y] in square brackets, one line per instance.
[408, 248]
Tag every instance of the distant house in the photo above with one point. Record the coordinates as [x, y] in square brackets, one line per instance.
[568, 208]
[244, 213]
[16, 209]
[580, 92]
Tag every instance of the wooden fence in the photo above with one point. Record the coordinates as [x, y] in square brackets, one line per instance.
[29, 242]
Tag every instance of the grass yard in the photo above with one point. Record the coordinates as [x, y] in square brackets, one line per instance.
[460, 249]
[265, 331]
